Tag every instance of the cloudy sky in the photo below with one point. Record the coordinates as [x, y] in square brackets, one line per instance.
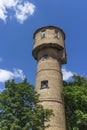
[18, 21]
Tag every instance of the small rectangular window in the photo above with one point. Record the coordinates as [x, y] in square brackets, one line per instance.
[45, 56]
[43, 34]
[44, 84]
[56, 35]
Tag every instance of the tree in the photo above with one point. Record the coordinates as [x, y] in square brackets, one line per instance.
[19, 108]
[75, 96]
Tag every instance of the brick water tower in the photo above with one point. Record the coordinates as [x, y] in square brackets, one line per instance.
[49, 51]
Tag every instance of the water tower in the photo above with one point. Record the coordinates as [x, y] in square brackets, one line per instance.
[49, 51]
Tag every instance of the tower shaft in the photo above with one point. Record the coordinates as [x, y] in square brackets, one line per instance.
[49, 70]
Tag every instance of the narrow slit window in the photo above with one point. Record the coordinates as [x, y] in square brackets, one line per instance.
[56, 35]
[43, 33]
[44, 84]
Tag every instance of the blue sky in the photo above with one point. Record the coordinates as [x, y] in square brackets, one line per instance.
[18, 21]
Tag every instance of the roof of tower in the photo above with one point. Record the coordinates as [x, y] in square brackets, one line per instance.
[48, 27]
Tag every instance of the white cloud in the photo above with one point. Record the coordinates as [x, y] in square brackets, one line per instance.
[67, 74]
[22, 10]
[7, 75]
[8, 3]
[2, 14]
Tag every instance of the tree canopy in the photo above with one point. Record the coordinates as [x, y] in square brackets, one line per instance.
[75, 96]
[19, 108]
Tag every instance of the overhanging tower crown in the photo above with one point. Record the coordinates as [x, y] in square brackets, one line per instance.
[49, 36]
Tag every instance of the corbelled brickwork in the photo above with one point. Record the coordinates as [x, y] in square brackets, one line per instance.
[49, 51]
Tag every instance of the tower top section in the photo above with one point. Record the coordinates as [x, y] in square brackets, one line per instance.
[49, 37]
[48, 27]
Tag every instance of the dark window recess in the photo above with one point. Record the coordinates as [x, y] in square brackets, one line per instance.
[45, 56]
[56, 35]
[43, 34]
[44, 84]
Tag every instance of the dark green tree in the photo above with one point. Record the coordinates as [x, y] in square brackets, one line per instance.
[19, 108]
[75, 96]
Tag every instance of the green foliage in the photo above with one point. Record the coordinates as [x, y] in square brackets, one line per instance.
[19, 109]
[75, 96]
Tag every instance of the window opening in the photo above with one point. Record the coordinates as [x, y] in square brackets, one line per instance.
[45, 56]
[43, 34]
[56, 35]
[44, 84]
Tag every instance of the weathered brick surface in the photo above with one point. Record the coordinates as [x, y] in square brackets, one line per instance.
[49, 38]
[50, 69]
